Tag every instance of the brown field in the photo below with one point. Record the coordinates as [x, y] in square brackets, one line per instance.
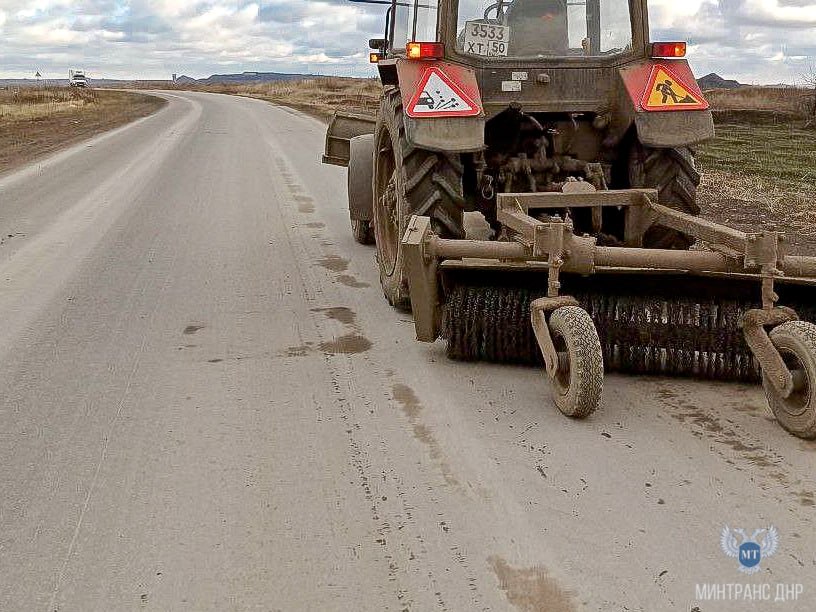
[37, 121]
[761, 166]
[319, 96]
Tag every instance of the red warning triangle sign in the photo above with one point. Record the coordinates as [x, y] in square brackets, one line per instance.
[439, 96]
[665, 91]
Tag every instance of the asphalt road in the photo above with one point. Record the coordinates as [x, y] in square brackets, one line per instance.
[205, 404]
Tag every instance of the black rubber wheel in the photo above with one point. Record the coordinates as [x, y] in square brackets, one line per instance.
[409, 181]
[796, 342]
[673, 173]
[578, 384]
[362, 231]
[360, 189]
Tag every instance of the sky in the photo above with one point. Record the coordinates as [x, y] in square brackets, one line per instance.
[754, 41]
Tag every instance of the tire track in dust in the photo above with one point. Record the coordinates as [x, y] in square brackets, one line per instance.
[338, 368]
[405, 549]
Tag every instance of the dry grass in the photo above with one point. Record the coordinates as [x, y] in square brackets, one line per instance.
[36, 121]
[795, 106]
[319, 96]
[792, 100]
[750, 202]
[37, 102]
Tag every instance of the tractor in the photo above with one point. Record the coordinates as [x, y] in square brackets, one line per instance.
[572, 135]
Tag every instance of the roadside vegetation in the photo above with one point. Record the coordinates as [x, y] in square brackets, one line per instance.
[36, 121]
[763, 104]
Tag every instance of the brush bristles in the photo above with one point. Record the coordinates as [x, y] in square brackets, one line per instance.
[639, 334]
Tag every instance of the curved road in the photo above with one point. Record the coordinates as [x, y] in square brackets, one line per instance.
[205, 404]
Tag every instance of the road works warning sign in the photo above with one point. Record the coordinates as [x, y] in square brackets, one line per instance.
[666, 92]
[437, 95]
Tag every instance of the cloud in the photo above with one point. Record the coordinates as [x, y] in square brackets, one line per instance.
[753, 40]
[155, 38]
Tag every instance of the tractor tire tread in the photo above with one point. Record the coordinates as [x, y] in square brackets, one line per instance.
[583, 397]
[431, 184]
[674, 174]
[362, 231]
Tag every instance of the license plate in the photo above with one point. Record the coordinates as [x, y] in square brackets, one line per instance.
[486, 39]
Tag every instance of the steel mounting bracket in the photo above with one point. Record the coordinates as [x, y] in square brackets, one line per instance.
[540, 310]
[754, 324]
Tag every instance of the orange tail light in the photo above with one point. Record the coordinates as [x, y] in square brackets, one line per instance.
[425, 50]
[669, 49]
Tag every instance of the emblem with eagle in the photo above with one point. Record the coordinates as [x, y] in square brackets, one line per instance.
[750, 552]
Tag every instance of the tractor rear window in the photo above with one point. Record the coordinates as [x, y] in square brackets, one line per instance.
[544, 28]
[409, 15]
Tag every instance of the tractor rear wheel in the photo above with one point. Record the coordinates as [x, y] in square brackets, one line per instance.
[673, 173]
[409, 181]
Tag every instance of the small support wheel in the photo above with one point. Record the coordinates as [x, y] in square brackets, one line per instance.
[796, 342]
[577, 384]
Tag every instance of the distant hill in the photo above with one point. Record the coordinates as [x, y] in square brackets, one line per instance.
[244, 77]
[93, 83]
[715, 81]
[215, 79]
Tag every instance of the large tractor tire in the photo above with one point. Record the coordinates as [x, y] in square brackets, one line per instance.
[409, 181]
[673, 173]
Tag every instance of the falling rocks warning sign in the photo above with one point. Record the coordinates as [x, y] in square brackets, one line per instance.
[666, 92]
[439, 96]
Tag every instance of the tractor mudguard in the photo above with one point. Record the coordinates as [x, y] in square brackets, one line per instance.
[360, 177]
[663, 100]
[342, 128]
[444, 130]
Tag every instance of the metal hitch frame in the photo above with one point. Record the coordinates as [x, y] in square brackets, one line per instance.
[754, 327]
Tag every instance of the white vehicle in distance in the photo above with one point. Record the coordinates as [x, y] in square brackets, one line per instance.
[77, 78]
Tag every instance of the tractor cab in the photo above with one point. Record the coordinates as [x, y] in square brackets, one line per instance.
[475, 31]
[539, 29]
[544, 56]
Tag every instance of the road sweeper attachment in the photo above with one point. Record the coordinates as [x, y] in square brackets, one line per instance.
[601, 263]
[736, 309]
